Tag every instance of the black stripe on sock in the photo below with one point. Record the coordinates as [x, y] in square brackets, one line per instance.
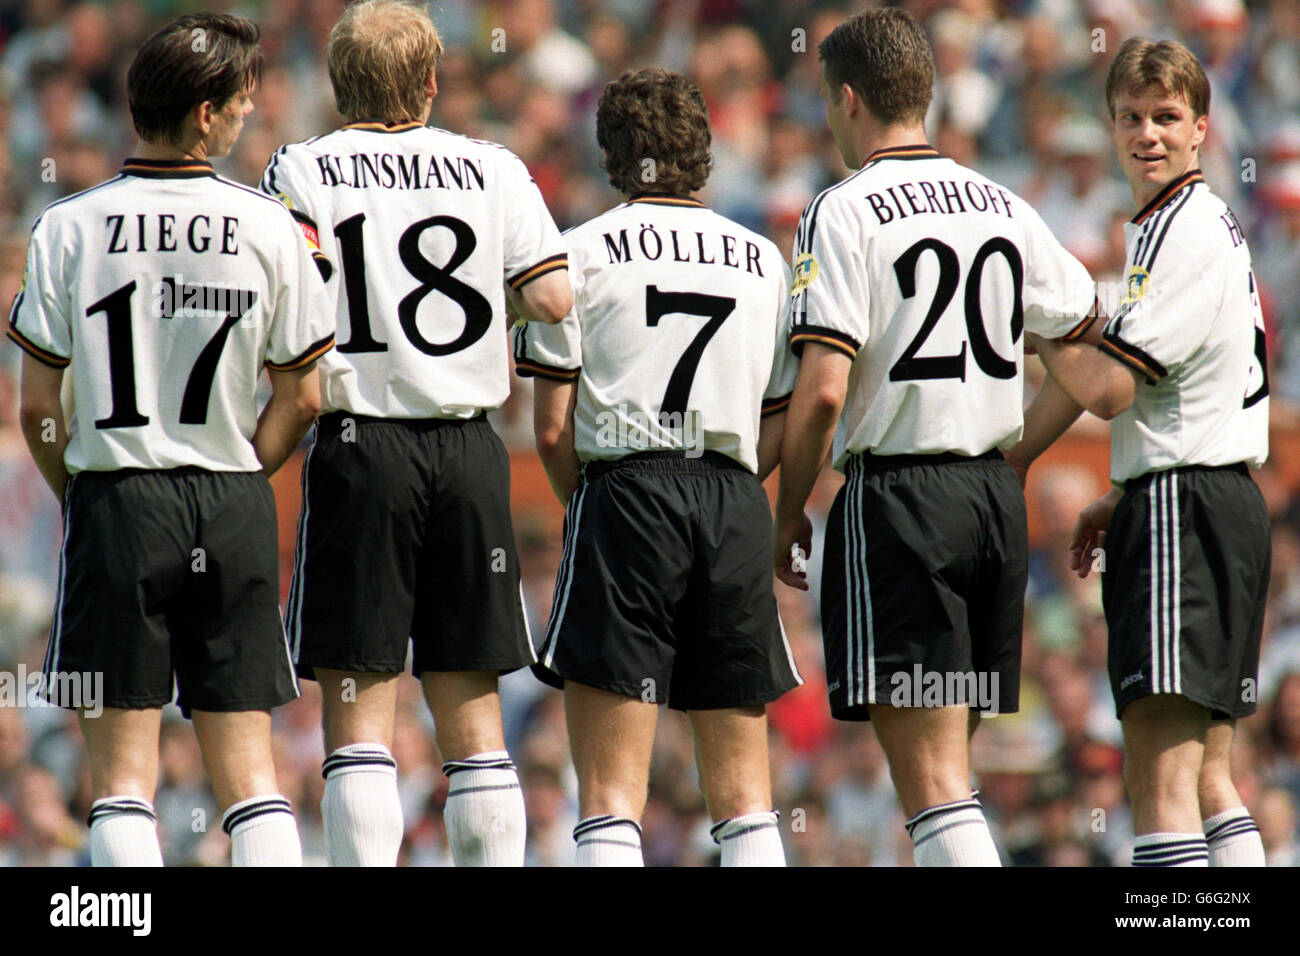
[940, 810]
[124, 807]
[254, 810]
[601, 822]
[503, 786]
[332, 764]
[1231, 828]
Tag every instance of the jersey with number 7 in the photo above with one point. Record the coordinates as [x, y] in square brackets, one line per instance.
[677, 336]
[418, 231]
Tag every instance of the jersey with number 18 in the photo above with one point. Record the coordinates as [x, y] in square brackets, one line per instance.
[167, 289]
[418, 229]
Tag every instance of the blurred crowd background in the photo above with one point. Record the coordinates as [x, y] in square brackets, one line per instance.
[1018, 96]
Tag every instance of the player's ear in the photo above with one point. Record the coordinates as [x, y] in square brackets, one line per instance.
[203, 114]
[1200, 127]
[431, 84]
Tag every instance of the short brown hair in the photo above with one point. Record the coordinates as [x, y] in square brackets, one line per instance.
[205, 57]
[885, 57]
[654, 115]
[380, 54]
[1142, 64]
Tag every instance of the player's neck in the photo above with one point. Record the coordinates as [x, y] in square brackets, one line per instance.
[147, 150]
[875, 138]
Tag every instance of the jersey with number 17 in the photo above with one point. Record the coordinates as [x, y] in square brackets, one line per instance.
[167, 289]
[418, 231]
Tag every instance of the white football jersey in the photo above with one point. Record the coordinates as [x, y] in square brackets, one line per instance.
[1191, 324]
[926, 274]
[419, 229]
[677, 338]
[167, 288]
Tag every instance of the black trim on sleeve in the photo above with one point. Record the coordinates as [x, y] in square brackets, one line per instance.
[313, 352]
[1082, 328]
[772, 406]
[44, 356]
[527, 368]
[537, 270]
[824, 336]
[1134, 357]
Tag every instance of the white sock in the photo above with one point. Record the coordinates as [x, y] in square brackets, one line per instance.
[262, 832]
[1170, 849]
[484, 815]
[750, 840]
[1234, 839]
[361, 810]
[124, 832]
[608, 841]
[952, 834]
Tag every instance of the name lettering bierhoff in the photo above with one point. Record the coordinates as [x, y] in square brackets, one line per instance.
[72, 689]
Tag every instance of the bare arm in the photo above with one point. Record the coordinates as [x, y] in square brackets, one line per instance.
[809, 429]
[553, 404]
[1046, 419]
[548, 298]
[771, 430]
[40, 415]
[294, 405]
[1092, 378]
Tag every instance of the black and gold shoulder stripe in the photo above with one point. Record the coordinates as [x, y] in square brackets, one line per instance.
[550, 264]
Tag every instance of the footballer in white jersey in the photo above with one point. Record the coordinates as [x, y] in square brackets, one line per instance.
[1182, 371]
[164, 292]
[684, 376]
[405, 538]
[915, 282]
[658, 408]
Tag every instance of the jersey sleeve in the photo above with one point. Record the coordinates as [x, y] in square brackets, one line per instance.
[287, 180]
[302, 317]
[1058, 294]
[785, 367]
[552, 352]
[533, 245]
[39, 321]
[1166, 313]
[831, 303]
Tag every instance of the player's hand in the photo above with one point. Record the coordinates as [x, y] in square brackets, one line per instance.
[791, 565]
[1090, 532]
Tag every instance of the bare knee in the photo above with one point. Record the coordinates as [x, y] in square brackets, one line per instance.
[466, 712]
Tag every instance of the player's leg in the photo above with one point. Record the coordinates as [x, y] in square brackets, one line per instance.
[731, 750]
[361, 809]
[349, 617]
[237, 754]
[1230, 831]
[484, 814]
[122, 561]
[123, 751]
[611, 737]
[928, 754]
[1164, 744]
[232, 660]
[468, 628]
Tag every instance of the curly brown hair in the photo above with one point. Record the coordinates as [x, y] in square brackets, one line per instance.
[654, 128]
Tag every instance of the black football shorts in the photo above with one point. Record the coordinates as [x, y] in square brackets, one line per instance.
[923, 584]
[665, 586]
[405, 538]
[172, 574]
[1184, 586]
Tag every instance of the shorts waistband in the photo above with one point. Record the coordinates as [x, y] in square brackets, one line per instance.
[1238, 468]
[865, 461]
[331, 423]
[664, 462]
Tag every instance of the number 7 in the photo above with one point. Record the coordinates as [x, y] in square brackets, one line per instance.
[716, 307]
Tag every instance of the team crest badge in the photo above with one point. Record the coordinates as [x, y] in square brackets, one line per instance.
[805, 270]
[1135, 285]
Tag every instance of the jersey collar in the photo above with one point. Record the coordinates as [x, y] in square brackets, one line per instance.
[377, 125]
[1168, 193]
[168, 168]
[666, 199]
[919, 151]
